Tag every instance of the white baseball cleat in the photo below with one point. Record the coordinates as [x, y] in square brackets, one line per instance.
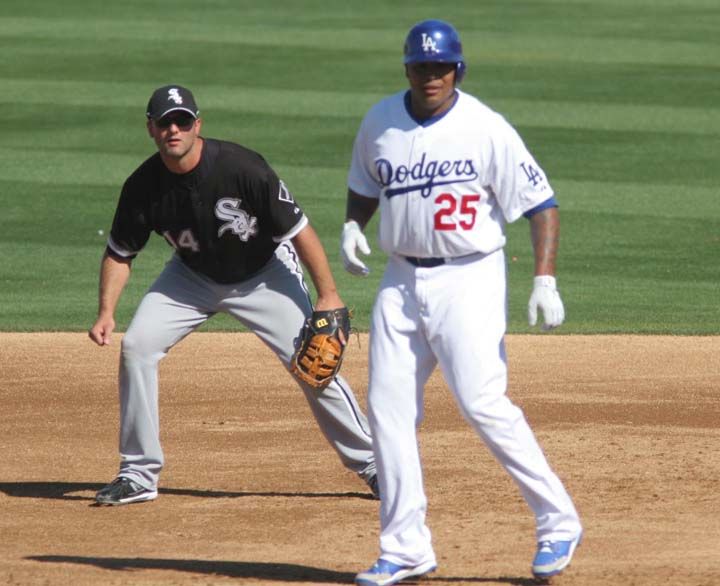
[553, 557]
[385, 573]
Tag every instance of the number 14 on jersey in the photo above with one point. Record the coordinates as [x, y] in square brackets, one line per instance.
[186, 239]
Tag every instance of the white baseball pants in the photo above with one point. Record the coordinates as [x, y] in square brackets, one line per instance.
[453, 315]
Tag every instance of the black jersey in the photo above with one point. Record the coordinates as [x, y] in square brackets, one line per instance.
[225, 218]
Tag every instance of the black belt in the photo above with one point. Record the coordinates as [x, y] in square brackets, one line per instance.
[425, 262]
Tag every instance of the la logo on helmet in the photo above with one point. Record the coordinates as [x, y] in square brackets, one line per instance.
[428, 44]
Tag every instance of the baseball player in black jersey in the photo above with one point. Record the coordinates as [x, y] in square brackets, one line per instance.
[239, 238]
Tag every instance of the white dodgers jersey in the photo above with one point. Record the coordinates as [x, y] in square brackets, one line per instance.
[446, 189]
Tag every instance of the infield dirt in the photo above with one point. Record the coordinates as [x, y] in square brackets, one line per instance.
[252, 494]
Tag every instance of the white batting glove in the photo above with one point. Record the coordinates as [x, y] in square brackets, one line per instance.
[352, 238]
[546, 296]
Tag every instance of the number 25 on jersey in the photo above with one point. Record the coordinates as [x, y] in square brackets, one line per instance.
[449, 204]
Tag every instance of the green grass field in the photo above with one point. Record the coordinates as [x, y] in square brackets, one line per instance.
[618, 100]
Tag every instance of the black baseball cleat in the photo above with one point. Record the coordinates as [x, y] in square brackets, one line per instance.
[372, 483]
[123, 491]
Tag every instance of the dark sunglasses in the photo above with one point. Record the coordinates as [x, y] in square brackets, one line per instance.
[182, 121]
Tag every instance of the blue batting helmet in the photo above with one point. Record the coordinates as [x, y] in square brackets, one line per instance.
[435, 41]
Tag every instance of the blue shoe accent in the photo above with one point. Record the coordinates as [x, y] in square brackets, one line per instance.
[553, 557]
[385, 573]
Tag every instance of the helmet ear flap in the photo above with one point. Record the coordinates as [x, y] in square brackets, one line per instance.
[460, 71]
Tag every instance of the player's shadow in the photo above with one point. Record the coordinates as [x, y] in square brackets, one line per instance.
[68, 490]
[255, 570]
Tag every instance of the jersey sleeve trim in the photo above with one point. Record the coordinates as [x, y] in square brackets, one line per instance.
[110, 252]
[548, 203]
[119, 251]
[294, 231]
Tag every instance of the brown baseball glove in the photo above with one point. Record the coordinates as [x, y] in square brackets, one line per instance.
[322, 343]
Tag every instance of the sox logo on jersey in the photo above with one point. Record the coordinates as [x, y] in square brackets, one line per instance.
[242, 224]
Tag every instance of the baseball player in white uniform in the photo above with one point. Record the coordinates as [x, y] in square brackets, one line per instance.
[447, 173]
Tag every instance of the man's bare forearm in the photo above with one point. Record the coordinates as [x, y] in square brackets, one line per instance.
[312, 254]
[114, 275]
[545, 236]
[360, 208]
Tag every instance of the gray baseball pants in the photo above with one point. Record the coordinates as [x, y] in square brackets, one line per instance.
[274, 304]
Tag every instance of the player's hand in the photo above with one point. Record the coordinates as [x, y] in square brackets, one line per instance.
[351, 239]
[102, 330]
[546, 297]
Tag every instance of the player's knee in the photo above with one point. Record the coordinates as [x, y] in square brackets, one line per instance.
[492, 411]
[136, 344]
